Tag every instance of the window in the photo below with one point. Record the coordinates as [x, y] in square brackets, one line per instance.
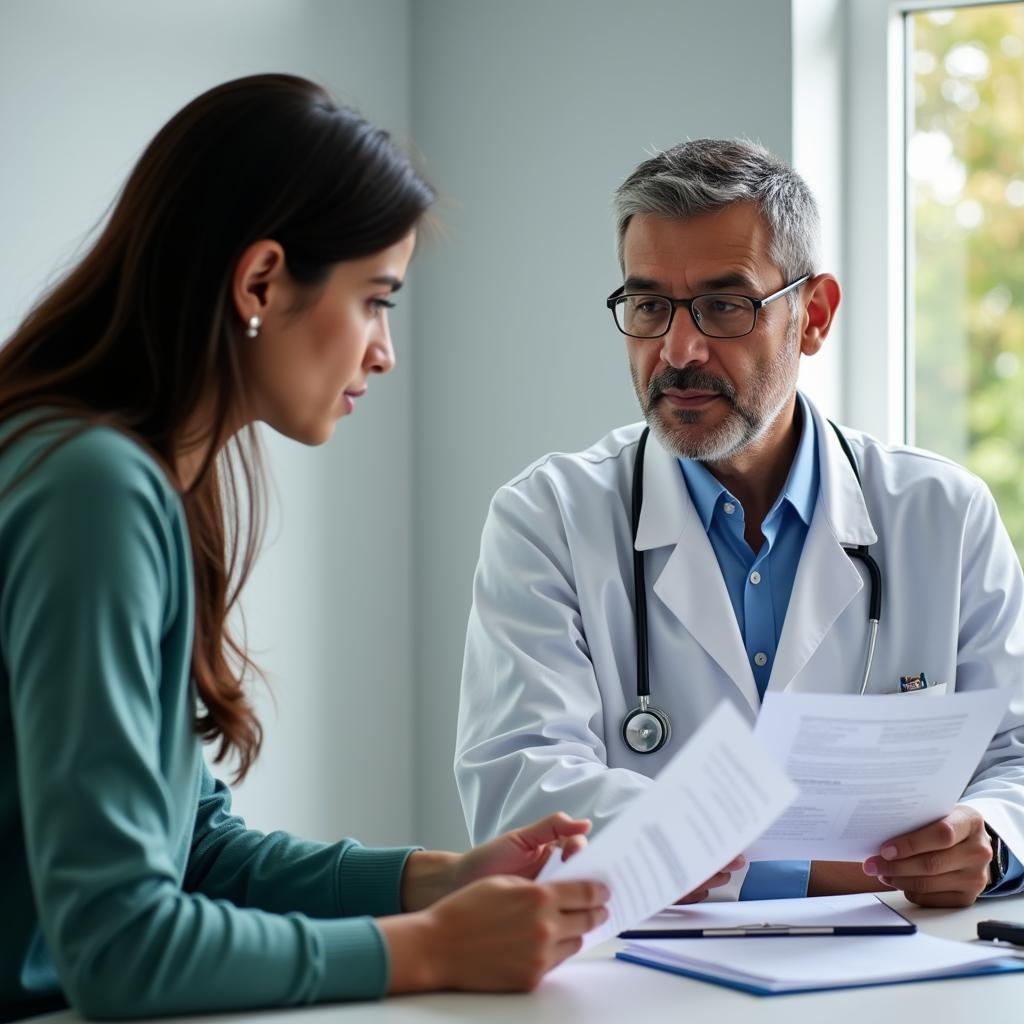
[964, 208]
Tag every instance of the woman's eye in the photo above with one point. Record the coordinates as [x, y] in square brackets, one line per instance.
[378, 304]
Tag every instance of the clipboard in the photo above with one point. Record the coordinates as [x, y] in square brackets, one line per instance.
[857, 914]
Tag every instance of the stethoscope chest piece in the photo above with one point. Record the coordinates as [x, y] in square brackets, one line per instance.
[646, 729]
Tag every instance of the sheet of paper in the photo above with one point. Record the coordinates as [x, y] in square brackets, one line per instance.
[718, 793]
[860, 910]
[806, 963]
[870, 768]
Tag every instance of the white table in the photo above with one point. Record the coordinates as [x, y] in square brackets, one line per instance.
[598, 988]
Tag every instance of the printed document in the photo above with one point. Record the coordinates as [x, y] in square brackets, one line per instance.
[870, 768]
[718, 793]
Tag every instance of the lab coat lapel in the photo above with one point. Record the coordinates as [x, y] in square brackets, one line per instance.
[691, 583]
[826, 579]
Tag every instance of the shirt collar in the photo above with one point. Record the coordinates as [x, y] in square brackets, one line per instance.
[800, 491]
[704, 489]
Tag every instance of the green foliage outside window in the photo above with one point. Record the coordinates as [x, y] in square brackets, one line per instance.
[966, 242]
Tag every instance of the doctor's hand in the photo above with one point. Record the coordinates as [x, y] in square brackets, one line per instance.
[702, 891]
[944, 864]
[432, 875]
[498, 934]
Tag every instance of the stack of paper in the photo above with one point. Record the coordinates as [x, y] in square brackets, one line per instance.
[771, 966]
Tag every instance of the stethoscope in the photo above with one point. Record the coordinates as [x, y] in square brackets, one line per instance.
[647, 728]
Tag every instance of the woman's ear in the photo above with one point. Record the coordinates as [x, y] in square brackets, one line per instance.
[823, 296]
[259, 276]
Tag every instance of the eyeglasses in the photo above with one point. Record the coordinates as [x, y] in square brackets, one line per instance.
[718, 315]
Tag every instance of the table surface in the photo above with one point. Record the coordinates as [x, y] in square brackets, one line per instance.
[596, 987]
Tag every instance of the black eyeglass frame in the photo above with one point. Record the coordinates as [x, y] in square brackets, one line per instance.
[620, 293]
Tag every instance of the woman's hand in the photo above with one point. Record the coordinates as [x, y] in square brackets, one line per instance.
[498, 934]
[480, 922]
[432, 875]
[523, 851]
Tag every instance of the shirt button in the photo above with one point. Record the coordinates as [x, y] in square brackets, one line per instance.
[760, 659]
[755, 577]
[728, 508]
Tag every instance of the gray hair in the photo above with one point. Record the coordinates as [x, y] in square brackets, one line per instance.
[706, 175]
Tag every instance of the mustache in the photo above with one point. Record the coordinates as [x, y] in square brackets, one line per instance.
[689, 378]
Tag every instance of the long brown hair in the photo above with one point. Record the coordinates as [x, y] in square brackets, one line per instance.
[143, 329]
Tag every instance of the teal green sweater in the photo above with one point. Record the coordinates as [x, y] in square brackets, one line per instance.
[125, 882]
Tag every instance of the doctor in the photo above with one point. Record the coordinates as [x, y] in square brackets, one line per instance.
[748, 503]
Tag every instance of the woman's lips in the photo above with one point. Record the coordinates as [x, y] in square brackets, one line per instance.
[348, 399]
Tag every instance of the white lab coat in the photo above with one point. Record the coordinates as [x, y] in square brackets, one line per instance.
[550, 663]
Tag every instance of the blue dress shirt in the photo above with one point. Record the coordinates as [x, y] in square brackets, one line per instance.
[759, 587]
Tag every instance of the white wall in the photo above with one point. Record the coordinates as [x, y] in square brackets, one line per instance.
[84, 84]
[529, 115]
[818, 125]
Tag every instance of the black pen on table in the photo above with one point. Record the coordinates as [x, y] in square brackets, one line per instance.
[1002, 933]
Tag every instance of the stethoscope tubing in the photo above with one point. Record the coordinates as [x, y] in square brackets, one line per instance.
[643, 686]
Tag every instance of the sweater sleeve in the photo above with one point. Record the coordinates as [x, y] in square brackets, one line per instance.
[281, 873]
[91, 549]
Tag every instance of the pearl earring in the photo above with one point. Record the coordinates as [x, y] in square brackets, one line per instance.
[254, 327]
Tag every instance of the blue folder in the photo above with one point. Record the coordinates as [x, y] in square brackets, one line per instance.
[997, 967]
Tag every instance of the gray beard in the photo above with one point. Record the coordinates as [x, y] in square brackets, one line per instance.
[728, 439]
[772, 387]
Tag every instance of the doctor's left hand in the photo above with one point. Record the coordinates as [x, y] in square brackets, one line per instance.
[944, 864]
[429, 876]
